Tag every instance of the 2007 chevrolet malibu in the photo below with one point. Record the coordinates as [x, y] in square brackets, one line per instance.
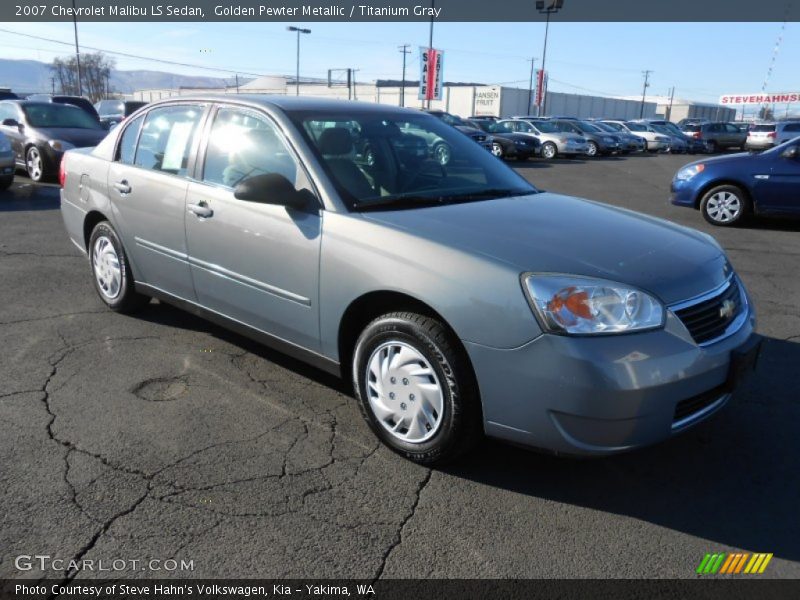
[459, 299]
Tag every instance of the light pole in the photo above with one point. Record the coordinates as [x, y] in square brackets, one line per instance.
[298, 30]
[547, 7]
[77, 49]
[430, 44]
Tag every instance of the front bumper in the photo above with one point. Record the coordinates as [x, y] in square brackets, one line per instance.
[608, 394]
[759, 145]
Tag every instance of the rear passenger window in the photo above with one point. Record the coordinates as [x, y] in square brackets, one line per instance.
[792, 127]
[127, 143]
[244, 144]
[167, 139]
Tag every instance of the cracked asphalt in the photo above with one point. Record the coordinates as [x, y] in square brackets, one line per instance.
[163, 436]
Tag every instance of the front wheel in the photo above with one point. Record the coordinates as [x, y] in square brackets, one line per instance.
[724, 205]
[113, 278]
[549, 150]
[441, 152]
[592, 150]
[415, 388]
[497, 150]
[34, 164]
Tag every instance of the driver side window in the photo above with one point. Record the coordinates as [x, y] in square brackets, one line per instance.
[244, 144]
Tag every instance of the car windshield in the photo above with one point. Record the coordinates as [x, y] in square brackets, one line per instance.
[605, 127]
[452, 120]
[614, 126]
[588, 127]
[547, 127]
[661, 129]
[110, 107]
[383, 160]
[692, 127]
[636, 126]
[494, 127]
[59, 116]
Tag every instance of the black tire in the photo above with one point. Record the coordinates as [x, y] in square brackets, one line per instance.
[594, 149]
[442, 154]
[460, 426]
[706, 205]
[713, 147]
[127, 299]
[5, 182]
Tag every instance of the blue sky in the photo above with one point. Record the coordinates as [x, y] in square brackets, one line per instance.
[701, 60]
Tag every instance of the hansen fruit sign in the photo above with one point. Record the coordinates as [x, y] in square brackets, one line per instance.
[760, 98]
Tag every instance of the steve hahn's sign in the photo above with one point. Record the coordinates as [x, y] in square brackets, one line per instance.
[760, 98]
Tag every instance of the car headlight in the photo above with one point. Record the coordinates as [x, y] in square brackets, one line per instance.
[60, 146]
[573, 305]
[686, 173]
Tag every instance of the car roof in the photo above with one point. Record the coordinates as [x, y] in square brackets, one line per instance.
[291, 103]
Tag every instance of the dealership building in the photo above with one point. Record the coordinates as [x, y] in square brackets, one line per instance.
[458, 98]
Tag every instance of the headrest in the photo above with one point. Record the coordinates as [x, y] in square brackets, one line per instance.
[335, 141]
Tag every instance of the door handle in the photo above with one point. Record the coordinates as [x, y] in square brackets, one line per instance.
[123, 187]
[200, 209]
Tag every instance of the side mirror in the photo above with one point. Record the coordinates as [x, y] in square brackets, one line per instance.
[10, 123]
[271, 188]
[791, 152]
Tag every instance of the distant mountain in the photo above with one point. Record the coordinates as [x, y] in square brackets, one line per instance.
[29, 76]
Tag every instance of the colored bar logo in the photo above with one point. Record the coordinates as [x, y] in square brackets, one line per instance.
[734, 563]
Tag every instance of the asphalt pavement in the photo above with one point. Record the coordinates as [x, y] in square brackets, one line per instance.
[161, 436]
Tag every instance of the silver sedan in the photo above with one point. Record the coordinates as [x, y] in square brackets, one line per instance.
[457, 298]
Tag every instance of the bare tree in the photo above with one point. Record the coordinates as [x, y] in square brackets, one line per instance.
[95, 72]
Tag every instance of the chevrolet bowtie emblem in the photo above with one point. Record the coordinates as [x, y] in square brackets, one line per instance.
[727, 309]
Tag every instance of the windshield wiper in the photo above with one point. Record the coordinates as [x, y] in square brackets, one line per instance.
[400, 202]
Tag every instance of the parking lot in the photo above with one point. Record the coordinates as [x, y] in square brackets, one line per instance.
[162, 436]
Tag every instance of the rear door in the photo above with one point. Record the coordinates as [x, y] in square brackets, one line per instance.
[254, 262]
[147, 184]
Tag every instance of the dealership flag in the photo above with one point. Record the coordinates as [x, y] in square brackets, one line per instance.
[541, 87]
[430, 73]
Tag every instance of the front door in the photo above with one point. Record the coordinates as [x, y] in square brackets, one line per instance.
[781, 191]
[147, 184]
[254, 262]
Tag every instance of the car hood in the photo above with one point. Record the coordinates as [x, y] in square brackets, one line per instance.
[740, 158]
[80, 138]
[560, 234]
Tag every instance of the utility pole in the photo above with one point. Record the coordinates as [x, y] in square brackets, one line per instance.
[405, 52]
[237, 83]
[671, 98]
[53, 85]
[430, 44]
[644, 91]
[298, 30]
[355, 88]
[108, 87]
[530, 86]
[77, 48]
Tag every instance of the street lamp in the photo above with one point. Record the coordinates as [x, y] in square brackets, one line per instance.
[299, 30]
[547, 7]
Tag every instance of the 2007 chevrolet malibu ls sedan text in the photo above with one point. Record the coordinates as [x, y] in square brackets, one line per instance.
[458, 298]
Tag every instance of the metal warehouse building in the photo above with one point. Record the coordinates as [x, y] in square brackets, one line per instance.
[461, 99]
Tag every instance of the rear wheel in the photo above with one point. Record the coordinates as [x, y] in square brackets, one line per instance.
[713, 147]
[593, 149]
[725, 205]
[415, 388]
[549, 150]
[497, 150]
[113, 278]
[441, 152]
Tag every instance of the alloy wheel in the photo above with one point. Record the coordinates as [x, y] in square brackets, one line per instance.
[34, 164]
[497, 150]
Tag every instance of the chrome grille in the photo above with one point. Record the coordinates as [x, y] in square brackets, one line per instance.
[710, 317]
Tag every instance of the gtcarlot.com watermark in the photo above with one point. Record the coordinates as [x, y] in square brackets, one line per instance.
[45, 562]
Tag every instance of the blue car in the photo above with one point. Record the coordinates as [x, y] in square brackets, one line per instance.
[726, 189]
